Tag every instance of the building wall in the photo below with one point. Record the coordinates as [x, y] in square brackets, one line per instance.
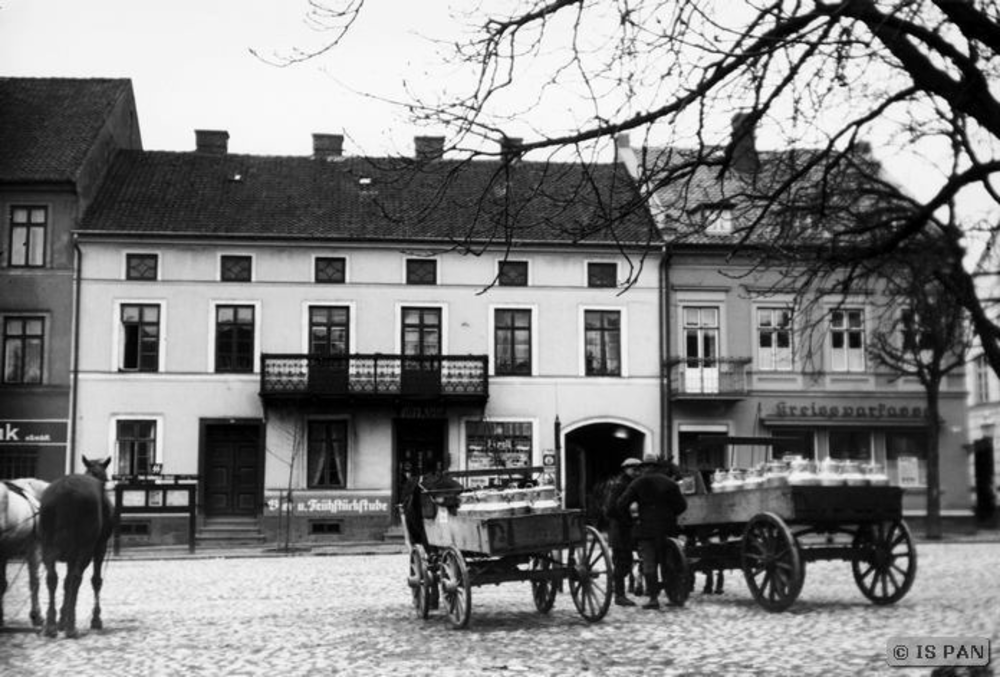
[185, 392]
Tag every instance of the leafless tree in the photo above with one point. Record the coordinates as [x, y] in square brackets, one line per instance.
[915, 74]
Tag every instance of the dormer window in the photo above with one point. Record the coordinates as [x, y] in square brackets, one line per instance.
[719, 221]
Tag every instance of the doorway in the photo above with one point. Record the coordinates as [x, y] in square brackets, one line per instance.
[420, 449]
[594, 454]
[232, 468]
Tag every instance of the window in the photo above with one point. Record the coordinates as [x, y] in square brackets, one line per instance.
[914, 337]
[720, 221]
[23, 344]
[602, 342]
[851, 445]
[141, 266]
[28, 228]
[512, 342]
[327, 454]
[331, 269]
[235, 268]
[602, 275]
[135, 441]
[498, 444]
[794, 442]
[421, 271]
[140, 337]
[982, 370]
[234, 338]
[513, 274]
[906, 457]
[17, 462]
[701, 336]
[329, 330]
[847, 340]
[774, 339]
[421, 331]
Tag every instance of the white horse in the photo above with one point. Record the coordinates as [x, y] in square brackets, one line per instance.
[19, 504]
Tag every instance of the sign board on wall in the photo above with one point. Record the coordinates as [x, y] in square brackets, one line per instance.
[328, 503]
[908, 469]
[21, 432]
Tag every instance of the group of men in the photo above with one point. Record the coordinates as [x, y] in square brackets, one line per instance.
[642, 505]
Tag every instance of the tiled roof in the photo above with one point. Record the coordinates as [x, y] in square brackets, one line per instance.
[150, 192]
[47, 125]
[794, 195]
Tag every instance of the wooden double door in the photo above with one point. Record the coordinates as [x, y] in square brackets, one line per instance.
[232, 468]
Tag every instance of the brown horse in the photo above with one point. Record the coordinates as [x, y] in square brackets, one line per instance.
[19, 500]
[76, 521]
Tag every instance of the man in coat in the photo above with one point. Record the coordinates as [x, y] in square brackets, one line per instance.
[658, 500]
[620, 528]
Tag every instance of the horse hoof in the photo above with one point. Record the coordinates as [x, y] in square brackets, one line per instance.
[72, 634]
[50, 631]
[96, 624]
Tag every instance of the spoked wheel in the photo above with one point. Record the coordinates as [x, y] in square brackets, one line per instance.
[590, 576]
[543, 591]
[678, 583]
[420, 581]
[455, 587]
[771, 563]
[885, 561]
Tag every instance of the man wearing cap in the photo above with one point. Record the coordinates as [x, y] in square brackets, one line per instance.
[620, 528]
[658, 501]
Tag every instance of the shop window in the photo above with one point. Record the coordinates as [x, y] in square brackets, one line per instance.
[327, 454]
[140, 337]
[800, 442]
[141, 266]
[906, 457]
[602, 342]
[498, 444]
[513, 274]
[851, 445]
[331, 269]
[28, 230]
[512, 342]
[16, 463]
[23, 349]
[135, 441]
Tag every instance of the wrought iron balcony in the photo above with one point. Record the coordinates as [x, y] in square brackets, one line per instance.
[708, 378]
[374, 378]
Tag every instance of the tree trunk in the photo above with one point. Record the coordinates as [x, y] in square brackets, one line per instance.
[934, 531]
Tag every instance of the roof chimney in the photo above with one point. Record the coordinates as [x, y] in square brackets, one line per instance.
[744, 144]
[211, 142]
[328, 146]
[510, 148]
[428, 147]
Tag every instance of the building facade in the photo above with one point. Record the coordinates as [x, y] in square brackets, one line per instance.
[306, 334]
[58, 137]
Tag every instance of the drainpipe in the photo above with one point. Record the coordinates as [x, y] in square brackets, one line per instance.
[74, 368]
[666, 412]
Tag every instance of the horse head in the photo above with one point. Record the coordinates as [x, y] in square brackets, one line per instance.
[98, 469]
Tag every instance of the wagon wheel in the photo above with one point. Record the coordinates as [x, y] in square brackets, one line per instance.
[771, 563]
[677, 584]
[543, 591]
[885, 561]
[420, 581]
[455, 587]
[590, 576]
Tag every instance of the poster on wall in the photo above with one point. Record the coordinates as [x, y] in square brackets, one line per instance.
[908, 471]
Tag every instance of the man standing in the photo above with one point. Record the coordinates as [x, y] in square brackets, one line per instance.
[620, 528]
[658, 501]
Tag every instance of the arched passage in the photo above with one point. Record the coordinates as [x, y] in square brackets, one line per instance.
[594, 453]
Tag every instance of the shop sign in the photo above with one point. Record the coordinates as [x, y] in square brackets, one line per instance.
[853, 412]
[327, 504]
[33, 432]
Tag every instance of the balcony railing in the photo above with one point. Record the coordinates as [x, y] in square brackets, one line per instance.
[708, 378]
[375, 378]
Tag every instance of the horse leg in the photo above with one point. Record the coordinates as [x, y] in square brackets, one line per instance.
[71, 588]
[51, 582]
[36, 610]
[96, 582]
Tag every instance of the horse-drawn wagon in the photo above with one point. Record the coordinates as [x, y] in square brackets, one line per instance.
[771, 532]
[460, 537]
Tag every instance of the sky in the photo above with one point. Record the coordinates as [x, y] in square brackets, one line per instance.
[191, 67]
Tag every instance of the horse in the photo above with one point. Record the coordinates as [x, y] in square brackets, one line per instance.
[76, 519]
[19, 501]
